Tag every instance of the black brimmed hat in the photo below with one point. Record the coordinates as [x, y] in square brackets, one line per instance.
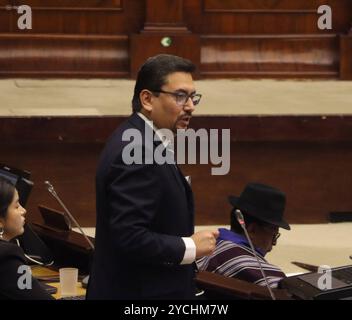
[262, 202]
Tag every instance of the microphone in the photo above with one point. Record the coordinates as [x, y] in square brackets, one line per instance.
[242, 223]
[54, 194]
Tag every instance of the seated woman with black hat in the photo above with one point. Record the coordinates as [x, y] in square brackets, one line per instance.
[15, 284]
[262, 208]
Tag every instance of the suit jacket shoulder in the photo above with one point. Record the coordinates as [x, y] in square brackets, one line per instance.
[10, 252]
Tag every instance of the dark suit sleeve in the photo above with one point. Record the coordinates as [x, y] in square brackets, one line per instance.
[134, 195]
[11, 259]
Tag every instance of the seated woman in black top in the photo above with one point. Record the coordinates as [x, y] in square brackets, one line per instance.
[13, 284]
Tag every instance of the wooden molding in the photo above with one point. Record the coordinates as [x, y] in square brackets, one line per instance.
[262, 6]
[69, 5]
[93, 129]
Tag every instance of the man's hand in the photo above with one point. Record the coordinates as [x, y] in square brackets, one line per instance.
[205, 242]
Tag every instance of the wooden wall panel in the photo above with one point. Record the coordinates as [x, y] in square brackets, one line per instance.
[309, 157]
[291, 47]
[77, 23]
[297, 6]
[5, 16]
[276, 39]
[268, 23]
[346, 57]
[50, 55]
[71, 39]
[286, 55]
[250, 17]
[4, 21]
[164, 13]
[80, 4]
[71, 130]
[313, 176]
[85, 20]
[69, 167]
[143, 46]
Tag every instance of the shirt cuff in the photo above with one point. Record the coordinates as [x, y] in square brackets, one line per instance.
[190, 252]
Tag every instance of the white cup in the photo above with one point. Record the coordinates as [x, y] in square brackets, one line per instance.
[68, 281]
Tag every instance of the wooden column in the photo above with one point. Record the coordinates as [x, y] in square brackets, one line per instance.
[346, 56]
[164, 31]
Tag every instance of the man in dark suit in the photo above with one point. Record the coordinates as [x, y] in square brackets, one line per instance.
[145, 245]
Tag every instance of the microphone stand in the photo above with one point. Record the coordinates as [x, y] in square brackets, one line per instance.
[243, 225]
[54, 194]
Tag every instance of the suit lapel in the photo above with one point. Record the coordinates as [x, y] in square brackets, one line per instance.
[178, 175]
[139, 123]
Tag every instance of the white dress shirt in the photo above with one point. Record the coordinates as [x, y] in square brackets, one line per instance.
[190, 252]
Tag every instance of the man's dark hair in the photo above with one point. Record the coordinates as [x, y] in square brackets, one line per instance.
[152, 75]
[7, 192]
[236, 227]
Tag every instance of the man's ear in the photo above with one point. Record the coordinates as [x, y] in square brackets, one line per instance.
[146, 97]
[253, 229]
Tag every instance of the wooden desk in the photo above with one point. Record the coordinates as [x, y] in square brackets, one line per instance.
[80, 290]
[69, 248]
[43, 273]
[220, 287]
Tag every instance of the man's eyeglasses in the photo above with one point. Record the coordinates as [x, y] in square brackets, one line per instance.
[270, 228]
[182, 97]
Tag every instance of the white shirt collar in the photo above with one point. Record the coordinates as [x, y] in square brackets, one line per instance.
[159, 132]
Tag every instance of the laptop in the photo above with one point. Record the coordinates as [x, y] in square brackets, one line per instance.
[309, 285]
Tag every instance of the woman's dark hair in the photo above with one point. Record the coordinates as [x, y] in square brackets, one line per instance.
[236, 227]
[153, 73]
[7, 192]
